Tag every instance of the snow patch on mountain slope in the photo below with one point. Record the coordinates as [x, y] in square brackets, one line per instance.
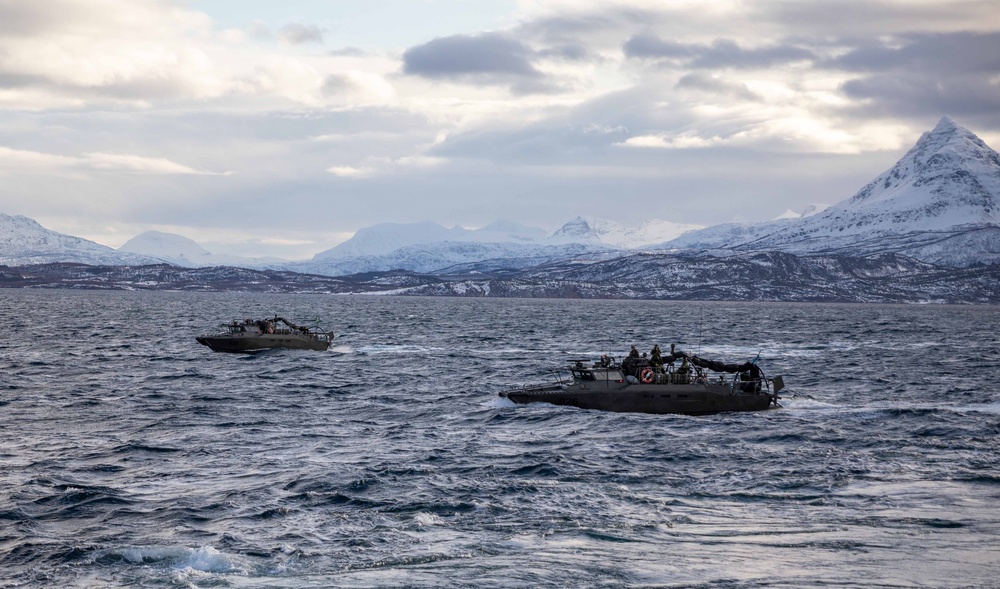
[23, 241]
[807, 212]
[427, 246]
[592, 230]
[442, 256]
[385, 238]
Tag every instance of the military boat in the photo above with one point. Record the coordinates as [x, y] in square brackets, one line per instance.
[255, 335]
[658, 385]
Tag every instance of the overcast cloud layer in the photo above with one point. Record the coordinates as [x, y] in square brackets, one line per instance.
[258, 132]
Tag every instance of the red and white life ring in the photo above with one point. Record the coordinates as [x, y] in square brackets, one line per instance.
[646, 375]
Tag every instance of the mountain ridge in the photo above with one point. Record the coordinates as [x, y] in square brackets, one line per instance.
[185, 252]
[944, 191]
[24, 241]
[753, 276]
[938, 204]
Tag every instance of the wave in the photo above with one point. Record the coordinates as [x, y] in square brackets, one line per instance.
[205, 558]
[992, 408]
[378, 349]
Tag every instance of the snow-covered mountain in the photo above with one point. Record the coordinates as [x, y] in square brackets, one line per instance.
[430, 247]
[419, 247]
[182, 251]
[171, 248]
[576, 230]
[726, 235]
[940, 203]
[385, 238]
[595, 231]
[452, 256]
[809, 211]
[23, 241]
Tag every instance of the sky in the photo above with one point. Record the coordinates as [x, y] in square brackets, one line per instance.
[263, 128]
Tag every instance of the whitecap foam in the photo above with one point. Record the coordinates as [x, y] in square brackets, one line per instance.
[427, 519]
[993, 408]
[807, 404]
[205, 559]
[522, 542]
[210, 560]
[394, 349]
[499, 402]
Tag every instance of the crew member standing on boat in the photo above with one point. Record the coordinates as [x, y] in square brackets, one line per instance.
[684, 371]
[654, 356]
[633, 353]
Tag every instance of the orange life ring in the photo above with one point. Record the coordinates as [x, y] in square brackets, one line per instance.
[646, 375]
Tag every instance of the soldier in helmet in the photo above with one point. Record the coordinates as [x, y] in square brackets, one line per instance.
[654, 356]
[684, 371]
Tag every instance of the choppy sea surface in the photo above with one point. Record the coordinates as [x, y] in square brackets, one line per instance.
[131, 456]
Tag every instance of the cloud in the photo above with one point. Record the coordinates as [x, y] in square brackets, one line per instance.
[348, 52]
[351, 171]
[487, 55]
[299, 34]
[290, 78]
[150, 53]
[922, 96]
[873, 18]
[715, 85]
[68, 52]
[18, 160]
[357, 86]
[691, 140]
[650, 46]
[486, 59]
[21, 80]
[726, 53]
[924, 74]
[780, 135]
[258, 29]
[386, 166]
[26, 20]
[137, 164]
[568, 52]
[21, 160]
[937, 53]
[722, 53]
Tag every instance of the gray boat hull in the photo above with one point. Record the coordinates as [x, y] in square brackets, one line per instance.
[253, 342]
[684, 399]
[266, 334]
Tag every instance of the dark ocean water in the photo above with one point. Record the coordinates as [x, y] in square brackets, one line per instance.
[131, 456]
